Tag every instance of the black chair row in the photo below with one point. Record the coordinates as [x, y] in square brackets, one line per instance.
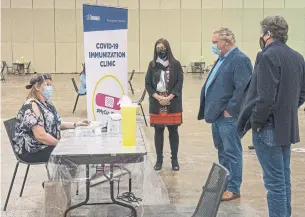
[130, 80]
[131, 88]
[2, 73]
[78, 94]
[207, 206]
[6, 69]
[141, 107]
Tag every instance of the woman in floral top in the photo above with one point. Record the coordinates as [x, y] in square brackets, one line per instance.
[38, 123]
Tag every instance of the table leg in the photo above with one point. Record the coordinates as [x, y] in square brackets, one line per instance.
[87, 193]
[22, 68]
[2, 75]
[201, 71]
[130, 181]
[133, 209]
[114, 201]
[129, 184]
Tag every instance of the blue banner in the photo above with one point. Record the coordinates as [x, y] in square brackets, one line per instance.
[102, 18]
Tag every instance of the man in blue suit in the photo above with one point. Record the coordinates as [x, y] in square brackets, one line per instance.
[220, 102]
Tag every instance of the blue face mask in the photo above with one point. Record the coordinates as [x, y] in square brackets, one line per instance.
[48, 92]
[215, 49]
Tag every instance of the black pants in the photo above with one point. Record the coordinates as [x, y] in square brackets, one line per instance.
[173, 141]
[38, 157]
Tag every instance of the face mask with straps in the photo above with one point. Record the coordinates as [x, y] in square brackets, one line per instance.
[262, 42]
[48, 89]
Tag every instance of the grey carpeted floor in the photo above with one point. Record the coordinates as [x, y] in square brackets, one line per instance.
[154, 209]
[225, 210]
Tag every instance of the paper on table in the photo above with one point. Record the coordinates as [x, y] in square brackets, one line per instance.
[95, 124]
[114, 123]
[98, 131]
[125, 101]
[115, 117]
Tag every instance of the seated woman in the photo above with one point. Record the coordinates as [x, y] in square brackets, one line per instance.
[82, 90]
[38, 123]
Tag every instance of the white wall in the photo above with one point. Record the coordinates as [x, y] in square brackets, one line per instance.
[49, 32]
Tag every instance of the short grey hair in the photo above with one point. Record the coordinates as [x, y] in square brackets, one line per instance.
[277, 26]
[225, 34]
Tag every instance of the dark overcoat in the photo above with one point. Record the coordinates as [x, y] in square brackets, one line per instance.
[275, 92]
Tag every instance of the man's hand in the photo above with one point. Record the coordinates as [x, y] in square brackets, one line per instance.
[257, 127]
[226, 114]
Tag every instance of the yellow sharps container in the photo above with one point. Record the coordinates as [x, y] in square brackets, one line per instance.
[129, 120]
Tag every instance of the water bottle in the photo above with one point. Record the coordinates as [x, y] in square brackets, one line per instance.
[201, 59]
[92, 170]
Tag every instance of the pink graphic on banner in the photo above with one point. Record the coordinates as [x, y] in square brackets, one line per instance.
[107, 101]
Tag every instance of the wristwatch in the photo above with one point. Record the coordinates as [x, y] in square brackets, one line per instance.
[74, 125]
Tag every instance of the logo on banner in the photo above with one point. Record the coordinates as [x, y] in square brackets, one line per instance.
[91, 17]
[106, 96]
[116, 21]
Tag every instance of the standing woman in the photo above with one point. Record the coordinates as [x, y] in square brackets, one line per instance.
[163, 82]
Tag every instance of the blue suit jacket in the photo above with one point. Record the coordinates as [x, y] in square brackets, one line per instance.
[227, 88]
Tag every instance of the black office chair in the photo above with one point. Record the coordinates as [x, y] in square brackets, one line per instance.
[140, 104]
[78, 94]
[2, 73]
[10, 130]
[198, 67]
[212, 192]
[84, 67]
[4, 63]
[129, 81]
[27, 68]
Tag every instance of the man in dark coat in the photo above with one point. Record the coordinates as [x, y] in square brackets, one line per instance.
[220, 102]
[258, 57]
[270, 108]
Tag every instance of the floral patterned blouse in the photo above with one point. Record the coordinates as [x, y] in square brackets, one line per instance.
[24, 139]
